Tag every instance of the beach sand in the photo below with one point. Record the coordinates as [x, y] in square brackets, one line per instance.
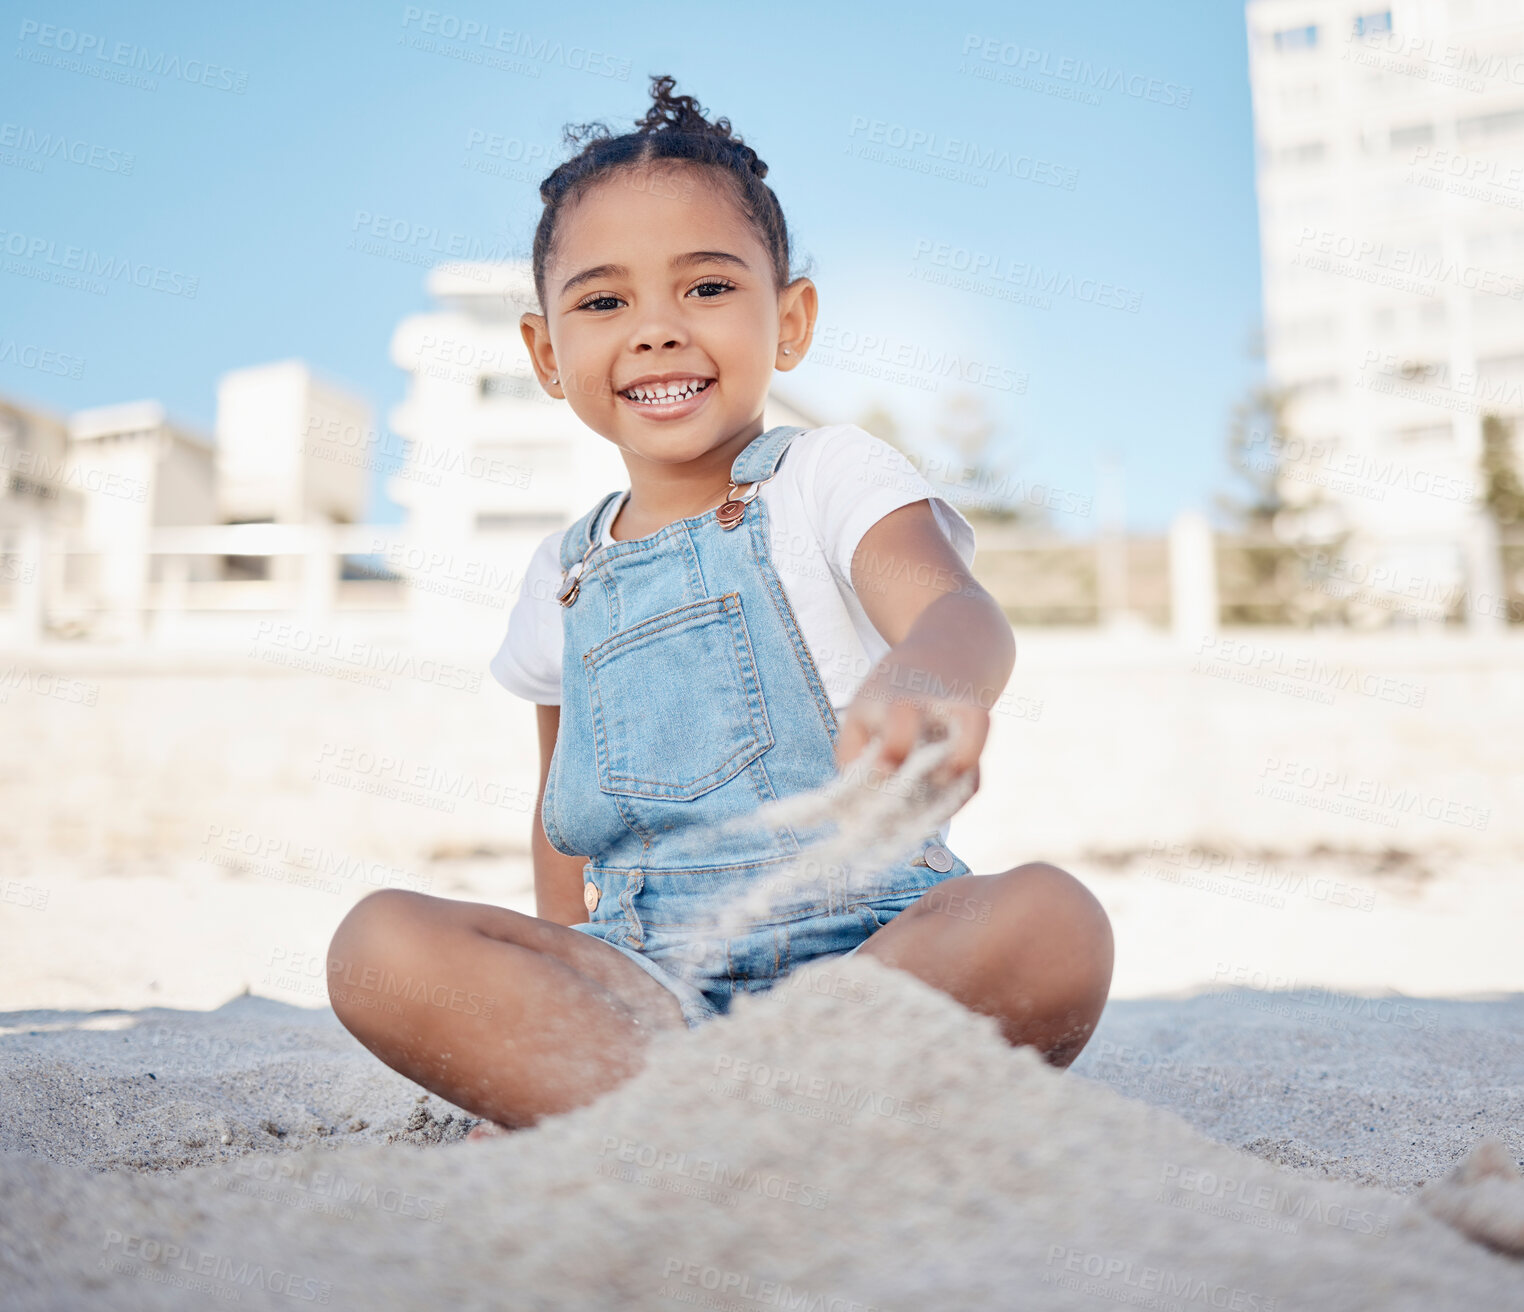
[1312, 1020]
[852, 1136]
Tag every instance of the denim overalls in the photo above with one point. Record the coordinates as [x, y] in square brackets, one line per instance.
[689, 698]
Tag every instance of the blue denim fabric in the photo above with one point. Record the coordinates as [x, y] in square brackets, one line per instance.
[690, 698]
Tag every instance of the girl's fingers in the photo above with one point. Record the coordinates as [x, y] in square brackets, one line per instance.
[901, 731]
[853, 737]
[969, 730]
[901, 725]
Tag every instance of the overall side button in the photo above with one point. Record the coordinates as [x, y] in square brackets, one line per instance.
[590, 896]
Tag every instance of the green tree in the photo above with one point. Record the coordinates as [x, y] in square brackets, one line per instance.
[1500, 468]
[1273, 573]
[990, 490]
[1257, 435]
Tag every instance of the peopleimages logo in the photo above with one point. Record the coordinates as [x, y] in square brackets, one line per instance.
[1027, 62]
[995, 268]
[44, 359]
[48, 145]
[914, 143]
[1406, 268]
[89, 45]
[423, 24]
[92, 264]
[1362, 796]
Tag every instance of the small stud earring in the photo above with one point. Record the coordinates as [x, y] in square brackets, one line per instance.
[556, 378]
[787, 351]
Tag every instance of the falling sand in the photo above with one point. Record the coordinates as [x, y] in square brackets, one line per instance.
[864, 820]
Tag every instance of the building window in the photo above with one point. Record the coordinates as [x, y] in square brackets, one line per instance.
[1300, 96]
[1490, 125]
[1295, 38]
[1424, 434]
[1415, 134]
[1319, 328]
[1370, 24]
[1305, 152]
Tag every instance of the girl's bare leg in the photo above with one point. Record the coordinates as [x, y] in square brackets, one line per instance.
[508, 1016]
[1030, 946]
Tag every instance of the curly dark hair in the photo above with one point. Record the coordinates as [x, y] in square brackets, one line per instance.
[674, 128]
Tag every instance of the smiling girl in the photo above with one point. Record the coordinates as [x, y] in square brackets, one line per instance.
[733, 628]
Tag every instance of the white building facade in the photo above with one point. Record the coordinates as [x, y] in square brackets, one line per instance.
[1390, 168]
[143, 472]
[284, 448]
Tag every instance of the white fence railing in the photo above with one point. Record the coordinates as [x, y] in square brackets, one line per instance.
[60, 585]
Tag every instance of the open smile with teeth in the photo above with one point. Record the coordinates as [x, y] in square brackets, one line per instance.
[671, 393]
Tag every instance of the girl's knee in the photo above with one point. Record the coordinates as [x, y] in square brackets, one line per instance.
[374, 935]
[376, 916]
[1041, 904]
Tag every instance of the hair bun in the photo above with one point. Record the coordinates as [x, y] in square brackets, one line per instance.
[674, 113]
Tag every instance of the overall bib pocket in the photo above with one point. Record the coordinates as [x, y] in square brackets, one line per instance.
[677, 704]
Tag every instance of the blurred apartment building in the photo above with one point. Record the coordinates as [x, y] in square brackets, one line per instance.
[285, 443]
[1390, 167]
[91, 496]
[288, 452]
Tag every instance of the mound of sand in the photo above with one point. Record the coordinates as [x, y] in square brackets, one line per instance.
[869, 1144]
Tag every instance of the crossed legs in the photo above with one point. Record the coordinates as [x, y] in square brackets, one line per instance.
[514, 1018]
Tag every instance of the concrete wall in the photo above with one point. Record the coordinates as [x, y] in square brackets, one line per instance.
[1260, 743]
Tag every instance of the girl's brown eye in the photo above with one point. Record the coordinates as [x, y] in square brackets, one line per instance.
[596, 302]
[716, 285]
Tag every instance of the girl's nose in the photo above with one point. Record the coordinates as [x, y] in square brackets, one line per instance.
[658, 334]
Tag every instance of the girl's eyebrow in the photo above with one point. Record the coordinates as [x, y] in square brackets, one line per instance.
[676, 262]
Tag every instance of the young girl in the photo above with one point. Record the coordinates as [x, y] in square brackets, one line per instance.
[732, 629]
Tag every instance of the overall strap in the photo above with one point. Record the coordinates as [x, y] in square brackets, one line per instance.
[760, 458]
[579, 537]
[756, 463]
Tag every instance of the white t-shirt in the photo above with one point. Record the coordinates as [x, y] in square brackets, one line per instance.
[832, 486]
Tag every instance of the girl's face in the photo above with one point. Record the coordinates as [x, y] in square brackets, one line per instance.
[663, 321]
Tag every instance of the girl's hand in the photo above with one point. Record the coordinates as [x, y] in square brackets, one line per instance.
[887, 705]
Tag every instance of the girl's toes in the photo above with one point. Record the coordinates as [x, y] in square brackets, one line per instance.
[488, 1130]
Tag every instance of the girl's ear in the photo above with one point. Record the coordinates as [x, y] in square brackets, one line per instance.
[536, 333]
[798, 304]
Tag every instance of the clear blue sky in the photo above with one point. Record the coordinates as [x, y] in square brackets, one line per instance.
[256, 193]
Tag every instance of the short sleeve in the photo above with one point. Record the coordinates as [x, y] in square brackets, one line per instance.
[528, 663]
[858, 479]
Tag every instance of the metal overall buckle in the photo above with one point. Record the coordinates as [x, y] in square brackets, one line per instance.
[733, 508]
[570, 589]
[729, 513]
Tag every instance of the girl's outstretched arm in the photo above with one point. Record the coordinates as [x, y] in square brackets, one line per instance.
[950, 643]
